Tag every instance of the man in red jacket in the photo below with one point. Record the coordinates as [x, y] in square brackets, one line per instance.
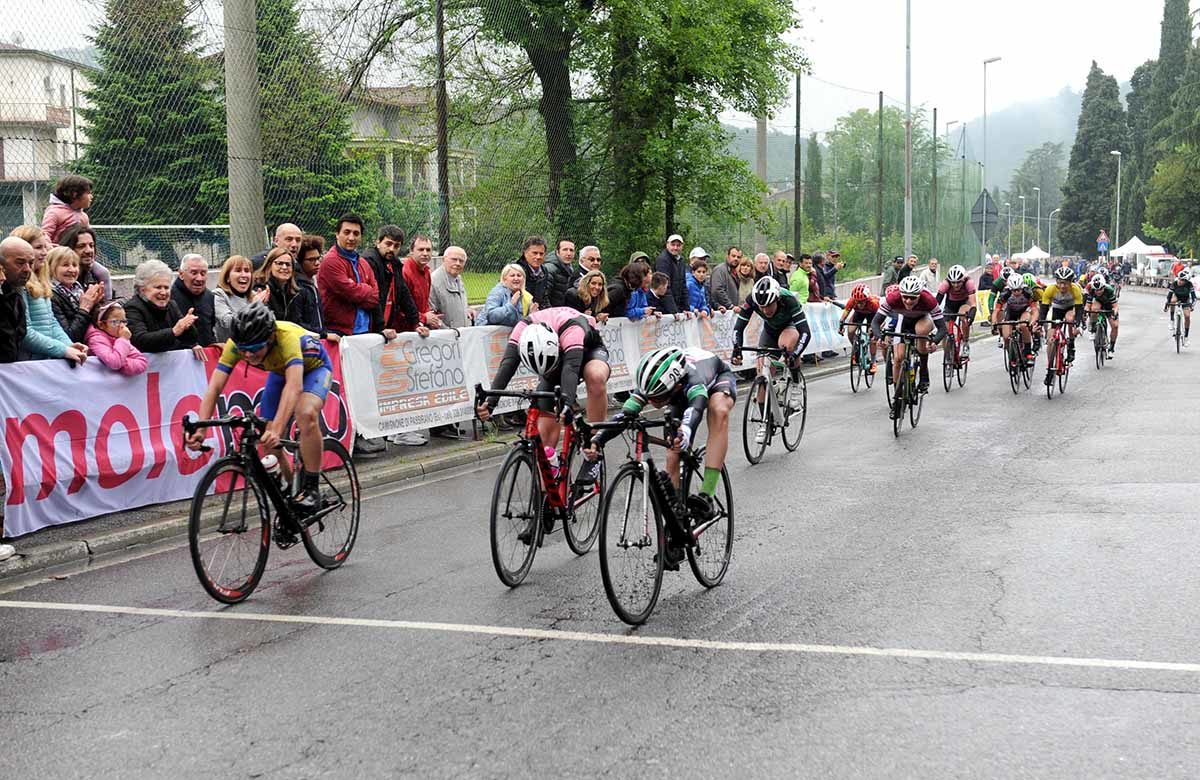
[417, 275]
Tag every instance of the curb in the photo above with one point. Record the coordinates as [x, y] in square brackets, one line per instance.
[35, 558]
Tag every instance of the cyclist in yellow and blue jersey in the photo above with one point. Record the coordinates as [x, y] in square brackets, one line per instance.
[1063, 300]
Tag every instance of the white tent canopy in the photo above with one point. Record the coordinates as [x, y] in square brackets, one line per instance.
[1035, 253]
[1136, 246]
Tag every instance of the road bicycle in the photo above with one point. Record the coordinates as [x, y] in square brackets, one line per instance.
[531, 493]
[1100, 343]
[956, 354]
[1020, 370]
[906, 394]
[1177, 328]
[642, 512]
[860, 357]
[769, 405]
[239, 507]
[1056, 355]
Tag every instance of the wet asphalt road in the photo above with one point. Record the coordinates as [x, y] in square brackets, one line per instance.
[1003, 524]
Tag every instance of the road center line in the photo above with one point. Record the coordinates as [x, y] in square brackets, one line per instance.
[624, 639]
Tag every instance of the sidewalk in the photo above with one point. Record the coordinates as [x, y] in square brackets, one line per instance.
[84, 540]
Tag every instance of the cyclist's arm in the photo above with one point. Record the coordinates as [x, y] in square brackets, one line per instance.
[939, 324]
[1078, 304]
[629, 410]
[215, 385]
[739, 326]
[504, 373]
[572, 365]
[876, 322]
[693, 415]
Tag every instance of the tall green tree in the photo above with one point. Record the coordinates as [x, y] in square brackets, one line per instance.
[155, 127]
[1173, 193]
[1134, 186]
[814, 194]
[1088, 195]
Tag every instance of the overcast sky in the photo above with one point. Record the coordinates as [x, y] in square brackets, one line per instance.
[1045, 44]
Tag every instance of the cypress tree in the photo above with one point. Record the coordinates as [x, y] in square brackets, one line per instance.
[814, 202]
[1133, 197]
[156, 132]
[1088, 195]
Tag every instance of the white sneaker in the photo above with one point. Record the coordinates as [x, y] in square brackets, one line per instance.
[409, 439]
[795, 398]
[761, 435]
[7, 551]
[1185, 338]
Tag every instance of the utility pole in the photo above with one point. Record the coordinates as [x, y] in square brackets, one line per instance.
[879, 195]
[247, 229]
[933, 233]
[983, 173]
[962, 183]
[443, 136]
[760, 241]
[833, 148]
[907, 128]
[797, 176]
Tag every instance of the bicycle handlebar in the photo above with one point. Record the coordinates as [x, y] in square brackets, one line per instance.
[777, 351]
[243, 420]
[526, 395]
[905, 336]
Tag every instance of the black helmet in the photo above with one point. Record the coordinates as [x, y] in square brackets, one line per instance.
[253, 327]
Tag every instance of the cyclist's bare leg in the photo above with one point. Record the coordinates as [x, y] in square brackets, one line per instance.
[925, 347]
[898, 351]
[595, 377]
[308, 420]
[673, 467]
[720, 406]
[1027, 331]
[851, 332]
[549, 429]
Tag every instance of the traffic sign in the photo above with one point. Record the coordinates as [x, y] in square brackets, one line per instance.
[984, 209]
[1102, 242]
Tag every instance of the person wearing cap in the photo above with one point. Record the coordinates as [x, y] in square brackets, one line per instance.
[892, 275]
[671, 263]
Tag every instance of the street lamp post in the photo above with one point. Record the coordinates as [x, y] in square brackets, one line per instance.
[1022, 197]
[1050, 238]
[1117, 237]
[983, 182]
[1037, 226]
[908, 204]
[1008, 243]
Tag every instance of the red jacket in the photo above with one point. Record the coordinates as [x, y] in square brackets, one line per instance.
[418, 278]
[341, 295]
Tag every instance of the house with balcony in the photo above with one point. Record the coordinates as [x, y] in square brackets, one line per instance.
[40, 130]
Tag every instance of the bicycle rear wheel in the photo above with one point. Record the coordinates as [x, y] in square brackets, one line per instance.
[516, 510]
[631, 546]
[756, 416]
[792, 430]
[866, 360]
[889, 381]
[962, 364]
[949, 357]
[582, 521]
[709, 557]
[329, 534]
[230, 502]
[1062, 379]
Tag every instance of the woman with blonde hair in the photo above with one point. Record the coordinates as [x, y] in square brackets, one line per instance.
[508, 301]
[233, 294]
[72, 304]
[44, 336]
[591, 296]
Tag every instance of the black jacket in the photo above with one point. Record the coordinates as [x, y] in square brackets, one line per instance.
[12, 323]
[204, 306]
[575, 302]
[308, 307]
[538, 286]
[559, 278]
[74, 320]
[618, 298]
[392, 287]
[674, 267]
[150, 326]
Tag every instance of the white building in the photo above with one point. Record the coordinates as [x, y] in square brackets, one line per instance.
[40, 127]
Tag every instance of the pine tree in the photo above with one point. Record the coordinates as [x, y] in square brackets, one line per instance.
[814, 201]
[1133, 197]
[155, 129]
[1173, 192]
[1089, 192]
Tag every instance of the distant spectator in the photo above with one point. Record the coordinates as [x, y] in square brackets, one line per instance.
[508, 301]
[349, 293]
[16, 267]
[108, 339]
[562, 272]
[659, 293]
[590, 295]
[929, 275]
[697, 295]
[277, 277]
[190, 291]
[82, 239]
[38, 240]
[233, 294]
[798, 282]
[418, 275]
[910, 267]
[589, 259]
[537, 280]
[155, 322]
[44, 336]
[72, 194]
[308, 263]
[762, 265]
[745, 277]
[827, 274]
[723, 282]
[635, 276]
[780, 267]
[287, 237]
[447, 293]
[396, 312]
[620, 287]
[71, 303]
[892, 275]
[670, 263]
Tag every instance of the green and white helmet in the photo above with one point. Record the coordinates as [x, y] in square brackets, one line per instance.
[659, 371]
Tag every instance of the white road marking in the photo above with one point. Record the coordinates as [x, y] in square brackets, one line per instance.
[626, 639]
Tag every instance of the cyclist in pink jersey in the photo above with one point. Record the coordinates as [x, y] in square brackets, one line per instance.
[910, 308]
[956, 295]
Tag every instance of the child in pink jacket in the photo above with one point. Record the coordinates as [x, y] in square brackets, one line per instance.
[72, 194]
[108, 340]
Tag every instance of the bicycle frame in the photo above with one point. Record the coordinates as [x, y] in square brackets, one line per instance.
[1058, 358]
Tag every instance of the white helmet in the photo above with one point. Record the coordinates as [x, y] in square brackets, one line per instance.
[911, 285]
[659, 371]
[956, 274]
[1097, 281]
[1006, 272]
[765, 292]
[1184, 275]
[538, 348]
[1015, 282]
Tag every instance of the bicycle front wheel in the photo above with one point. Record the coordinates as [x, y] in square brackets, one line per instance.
[793, 423]
[330, 533]
[1015, 361]
[582, 521]
[709, 557]
[948, 360]
[916, 401]
[516, 527]
[865, 358]
[631, 546]
[1178, 332]
[1101, 344]
[229, 502]
[756, 418]
[857, 370]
